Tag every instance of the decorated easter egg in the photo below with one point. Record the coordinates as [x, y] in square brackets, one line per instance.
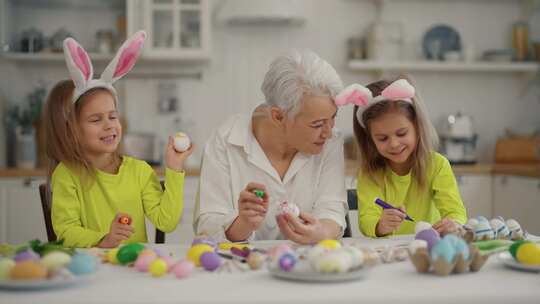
[55, 260]
[278, 249]
[210, 260]
[421, 226]
[124, 220]
[129, 253]
[528, 254]
[143, 262]
[330, 244]
[516, 233]
[205, 240]
[417, 244]
[459, 245]
[483, 231]
[28, 270]
[5, 268]
[255, 260]
[333, 261]
[287, 261]
[500, 229]
[291, 208]
[60, 273]
[481, 218]
[181, 142]
[514, 247]
[194, 253]
[28, 254]
[445, 249]
[431, 236]
[82, 263]
[158, 267]
[356, 255]
[471, 224]
[112, 256]
[183, 269]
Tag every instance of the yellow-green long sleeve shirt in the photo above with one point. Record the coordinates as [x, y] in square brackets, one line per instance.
[82, 217]
[439, 199]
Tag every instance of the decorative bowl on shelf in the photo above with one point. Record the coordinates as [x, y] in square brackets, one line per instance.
[439, 40]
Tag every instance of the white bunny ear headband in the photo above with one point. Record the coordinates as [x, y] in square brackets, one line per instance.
[362, 97]
[81, 70]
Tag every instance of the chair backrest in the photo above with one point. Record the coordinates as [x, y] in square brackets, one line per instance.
[46, 203]
[352, 201]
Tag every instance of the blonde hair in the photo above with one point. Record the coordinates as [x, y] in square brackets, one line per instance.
[62, 131]
[372, 163]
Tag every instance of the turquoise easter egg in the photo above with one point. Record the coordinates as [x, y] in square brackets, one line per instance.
[82, 263]
[445, 249]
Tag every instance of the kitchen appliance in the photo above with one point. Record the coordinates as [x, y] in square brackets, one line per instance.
[144, 146]
[458, 139]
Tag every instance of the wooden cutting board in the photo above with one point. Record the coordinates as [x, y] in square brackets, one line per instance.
[518, 150]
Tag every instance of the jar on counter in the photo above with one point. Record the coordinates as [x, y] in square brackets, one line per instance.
[105, 41]
[520, 40]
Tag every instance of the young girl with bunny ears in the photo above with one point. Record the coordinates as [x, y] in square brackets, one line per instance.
[99, 197]
[398, 162]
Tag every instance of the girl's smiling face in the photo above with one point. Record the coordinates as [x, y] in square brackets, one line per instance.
[100, 127]
[394, 135]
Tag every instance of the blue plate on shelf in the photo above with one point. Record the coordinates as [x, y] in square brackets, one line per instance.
[439, 40]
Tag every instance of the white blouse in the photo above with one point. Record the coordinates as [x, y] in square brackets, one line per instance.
[233, 158]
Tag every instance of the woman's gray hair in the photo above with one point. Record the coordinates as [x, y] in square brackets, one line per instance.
[299, 73]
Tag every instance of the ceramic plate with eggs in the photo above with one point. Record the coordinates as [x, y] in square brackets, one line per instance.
[59, 282]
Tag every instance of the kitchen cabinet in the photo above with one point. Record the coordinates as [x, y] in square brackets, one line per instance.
[21, 216]
[476, 193]
[518, 198]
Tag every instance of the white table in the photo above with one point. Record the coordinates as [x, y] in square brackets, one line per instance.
[384, 283]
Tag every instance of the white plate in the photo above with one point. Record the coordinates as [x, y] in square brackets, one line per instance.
[305, 274]
[44, 284]
[509, 261]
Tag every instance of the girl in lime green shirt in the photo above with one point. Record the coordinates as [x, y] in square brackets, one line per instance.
[100, 198]
[399, 164]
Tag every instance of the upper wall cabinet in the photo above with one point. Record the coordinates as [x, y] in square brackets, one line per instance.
[177, 29]
[33, 30]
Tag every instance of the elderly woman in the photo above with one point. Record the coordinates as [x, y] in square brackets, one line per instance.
[288, 148]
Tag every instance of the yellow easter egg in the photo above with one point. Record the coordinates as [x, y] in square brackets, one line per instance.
[5, 268]
[112, 256]
[194, 253]
[528, 254]
[330, 244]
[158, 268]
[228, 246]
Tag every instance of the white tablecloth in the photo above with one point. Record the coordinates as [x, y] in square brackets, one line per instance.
[384, 283]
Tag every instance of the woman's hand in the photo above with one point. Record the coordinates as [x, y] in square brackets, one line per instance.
[310, 231]
[118, 232]
[251, 208]
[446, 226]
[174, 160]
[390, 220]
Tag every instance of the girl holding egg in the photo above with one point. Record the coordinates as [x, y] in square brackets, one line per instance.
[99, 197]
[398, 162]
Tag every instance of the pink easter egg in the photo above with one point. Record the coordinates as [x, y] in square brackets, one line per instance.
[168, 260]
[277, 250]
[143, 262]
[183, 269]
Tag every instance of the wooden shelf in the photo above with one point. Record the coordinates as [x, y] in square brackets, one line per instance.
[51, 57]
[441, 66]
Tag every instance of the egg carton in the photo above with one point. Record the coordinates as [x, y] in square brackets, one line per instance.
[423, 263]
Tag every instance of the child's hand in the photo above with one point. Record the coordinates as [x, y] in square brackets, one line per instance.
[119, 232]
[390, 220]
[251, 208]
[174, 160]
[446, 226]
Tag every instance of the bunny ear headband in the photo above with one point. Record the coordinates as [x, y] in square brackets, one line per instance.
[362, 97]
[81, 70]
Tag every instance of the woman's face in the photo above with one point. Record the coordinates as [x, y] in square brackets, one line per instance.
[394, 136]
[309, 130]
[99, 124]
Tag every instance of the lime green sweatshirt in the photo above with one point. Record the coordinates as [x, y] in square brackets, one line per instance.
[438, 200]
[82, 218]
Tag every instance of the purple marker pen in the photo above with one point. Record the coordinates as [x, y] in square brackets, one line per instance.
[385, 205]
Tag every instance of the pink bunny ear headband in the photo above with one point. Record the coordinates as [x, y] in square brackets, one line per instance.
[362, 97]
[81, 70]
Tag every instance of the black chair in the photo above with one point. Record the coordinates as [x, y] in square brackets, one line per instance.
[352, 201]
[46, 203]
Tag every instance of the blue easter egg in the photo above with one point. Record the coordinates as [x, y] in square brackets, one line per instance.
[461, 247]
[82, 263]
[445, 249]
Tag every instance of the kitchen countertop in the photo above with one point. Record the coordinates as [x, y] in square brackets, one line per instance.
[351, 167]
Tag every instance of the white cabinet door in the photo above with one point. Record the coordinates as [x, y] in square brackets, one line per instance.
[184, 231]
[476, 192]
[518, 198]
[22, 216]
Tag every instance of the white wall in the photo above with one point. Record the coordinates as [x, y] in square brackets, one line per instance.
[241, 54]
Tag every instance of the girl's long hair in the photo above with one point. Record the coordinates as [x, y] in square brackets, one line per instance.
[372, 163]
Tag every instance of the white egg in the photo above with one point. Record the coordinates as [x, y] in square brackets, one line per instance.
[471, 224]
[286, 207]
[420, 226]
[181, 142]
[417, 244]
